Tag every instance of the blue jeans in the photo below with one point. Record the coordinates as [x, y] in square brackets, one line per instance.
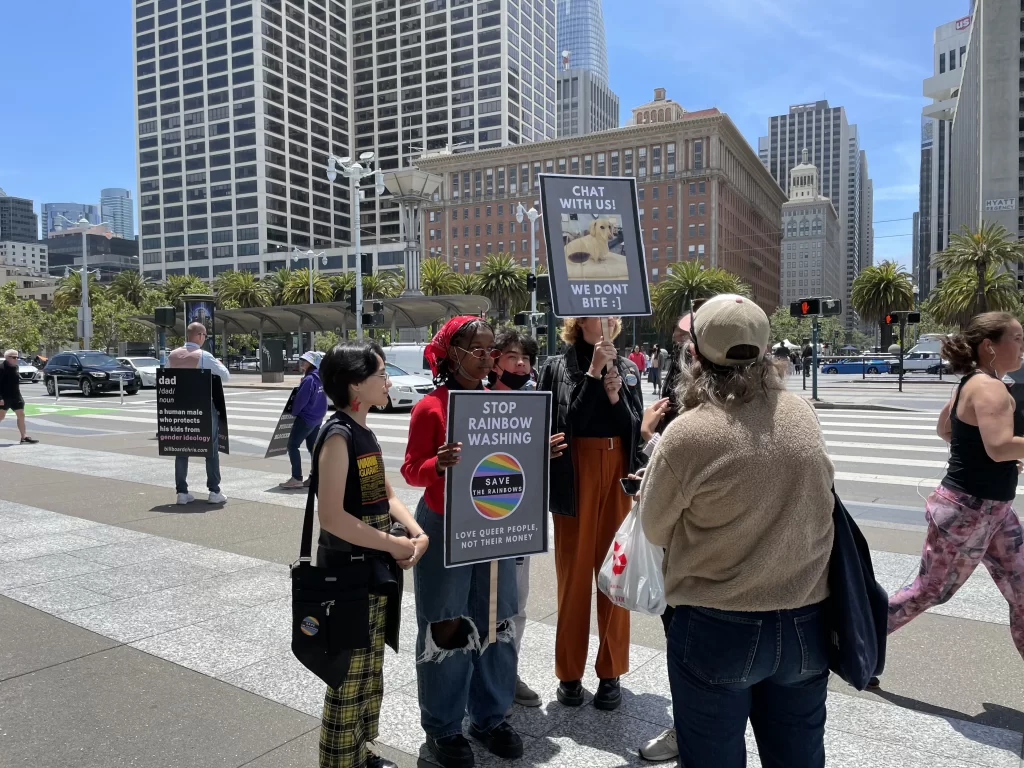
[472, 676]
[301, 431]
[771, 667]
[212, 467]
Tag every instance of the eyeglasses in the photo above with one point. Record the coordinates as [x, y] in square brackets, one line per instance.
[482, 352]
[383, 375]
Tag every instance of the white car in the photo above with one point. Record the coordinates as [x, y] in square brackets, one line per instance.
[407, 389]
[410, 357]
[28, 372]
[146, 367]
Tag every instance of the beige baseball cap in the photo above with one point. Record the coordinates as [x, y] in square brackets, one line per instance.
[726, 321]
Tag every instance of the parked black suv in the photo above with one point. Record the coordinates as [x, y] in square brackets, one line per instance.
[90, 372]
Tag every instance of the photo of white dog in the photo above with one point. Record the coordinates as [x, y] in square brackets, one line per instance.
[594, 247]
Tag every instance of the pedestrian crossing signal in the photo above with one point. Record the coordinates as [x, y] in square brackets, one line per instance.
[913, 317]
[805, 308]
[891, 319]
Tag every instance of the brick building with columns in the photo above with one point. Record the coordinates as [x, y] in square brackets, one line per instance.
[704, 194]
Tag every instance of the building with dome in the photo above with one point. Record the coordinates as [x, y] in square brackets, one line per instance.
[810, 260]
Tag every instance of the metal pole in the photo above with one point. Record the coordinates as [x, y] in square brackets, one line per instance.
[533, 271]
[814, 358]
[356, 177]
[310, 298]
[121, 382]
[903, 332]
[86, 329]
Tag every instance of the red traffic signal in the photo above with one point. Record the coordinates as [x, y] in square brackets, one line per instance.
[891, 319]
[805, 308]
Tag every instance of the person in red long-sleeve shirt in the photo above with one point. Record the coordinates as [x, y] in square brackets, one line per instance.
[457, 670]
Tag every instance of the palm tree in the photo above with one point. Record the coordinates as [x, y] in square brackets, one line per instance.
[437, 277]
[242, 289]
[381, 285]
[276, 282]
[69, 291]
[296, 289]
[467, 283]
[503, 282]
[342, 284]
[689, 280]
[132, 286]
[954, 299]
[989, 247]
[177, 286]
[880, 289]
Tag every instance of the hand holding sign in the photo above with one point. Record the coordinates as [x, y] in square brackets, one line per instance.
[604, 353]
[448, 456]
[612, 385]
[558, 444]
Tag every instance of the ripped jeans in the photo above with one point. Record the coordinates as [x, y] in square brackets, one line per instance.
[473, 677]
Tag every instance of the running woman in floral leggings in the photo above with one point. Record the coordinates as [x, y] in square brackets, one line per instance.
[970, 515]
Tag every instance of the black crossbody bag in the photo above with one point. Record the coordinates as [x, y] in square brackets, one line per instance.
[330, 606]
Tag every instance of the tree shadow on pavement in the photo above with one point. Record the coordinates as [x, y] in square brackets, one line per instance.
[994, 716]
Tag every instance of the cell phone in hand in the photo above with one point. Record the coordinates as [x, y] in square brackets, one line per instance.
[630, 487]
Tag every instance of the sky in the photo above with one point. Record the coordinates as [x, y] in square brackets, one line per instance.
[66, 95]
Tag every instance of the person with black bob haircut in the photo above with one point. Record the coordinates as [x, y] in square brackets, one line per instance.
[357, 508]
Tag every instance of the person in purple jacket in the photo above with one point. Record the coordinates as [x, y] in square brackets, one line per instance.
[309, 409]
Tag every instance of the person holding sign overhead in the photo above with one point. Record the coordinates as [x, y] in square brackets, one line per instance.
[192, 355]
[457, 670]
[356, 507]
[598, 405]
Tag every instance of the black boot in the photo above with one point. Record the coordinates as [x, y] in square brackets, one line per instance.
[570, 693]
[609, 694]
[502, 740]
[376, 761]
[451, 751]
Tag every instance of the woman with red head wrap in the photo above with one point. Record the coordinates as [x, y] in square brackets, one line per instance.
[457, 670]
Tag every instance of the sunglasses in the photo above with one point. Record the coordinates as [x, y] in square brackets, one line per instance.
[481, 352]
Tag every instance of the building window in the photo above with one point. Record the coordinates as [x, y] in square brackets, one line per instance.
[942, 63]
[654, 254]
[700, 209]
[692, 210]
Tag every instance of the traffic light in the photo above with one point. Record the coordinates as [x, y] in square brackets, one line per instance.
[366, 263]
[164, 317]
[805, 308]
[831, 307]
[351, 298]
[891, 318]
[531, 282]
[913, 317]
[521, 318]
[376, 317]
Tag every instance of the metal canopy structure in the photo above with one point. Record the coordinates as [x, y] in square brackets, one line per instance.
[401, 312]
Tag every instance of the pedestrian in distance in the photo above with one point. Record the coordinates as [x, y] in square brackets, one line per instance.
[639, 359]
[516, 355]
[458, 672]
[739, 493]
[970, 514]
[598, 404]
[10, 394]
[309, 408]
[357, 508]
[192, 355]
[654, 372]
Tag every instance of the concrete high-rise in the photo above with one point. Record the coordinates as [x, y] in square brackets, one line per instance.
[116, 210]
[833, 147]
[943, 88]
[55, 217]
[585, 102]
[18, 220]
[811, 262]
[986, 162]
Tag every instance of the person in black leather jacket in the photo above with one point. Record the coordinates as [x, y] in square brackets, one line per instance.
[598, 405]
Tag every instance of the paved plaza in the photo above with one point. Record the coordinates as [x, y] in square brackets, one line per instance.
[137, 633]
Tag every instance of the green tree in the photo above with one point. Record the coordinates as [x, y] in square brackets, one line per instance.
[20, 321]
[342, 284]
[503, 282]
[880, 289]
[381, 285]
[795, 329]
[241, 289]
[276, 284]
[57, 329]
[177, 286]
[132, 286]
[296, 289]
[985, 252]
[69, 291]
[112, 323]
[686, 281]
[955, 299]
[468, 284]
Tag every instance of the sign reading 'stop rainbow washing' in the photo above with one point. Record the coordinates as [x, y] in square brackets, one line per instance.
[496, 497]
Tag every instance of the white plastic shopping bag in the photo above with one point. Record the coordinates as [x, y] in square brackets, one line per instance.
[631, 573]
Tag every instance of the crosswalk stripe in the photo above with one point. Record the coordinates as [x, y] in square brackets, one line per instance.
[897, 448]
[847, 433]
[875, 416]
[890, 427]
[903, 462]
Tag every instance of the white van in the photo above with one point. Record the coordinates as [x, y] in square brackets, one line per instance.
[409, 357]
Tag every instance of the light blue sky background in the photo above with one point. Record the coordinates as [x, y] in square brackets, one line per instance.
[66, 124]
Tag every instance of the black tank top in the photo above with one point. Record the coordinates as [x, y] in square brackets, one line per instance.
[971, 470]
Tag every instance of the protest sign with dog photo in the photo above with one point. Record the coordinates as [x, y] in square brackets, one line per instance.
[594, 245]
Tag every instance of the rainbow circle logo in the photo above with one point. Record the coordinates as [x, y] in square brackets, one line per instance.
[497, 486]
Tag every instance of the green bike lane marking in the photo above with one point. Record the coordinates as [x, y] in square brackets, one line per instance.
[33, 409]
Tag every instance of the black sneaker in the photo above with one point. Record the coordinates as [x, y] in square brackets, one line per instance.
[570, 693]
[376, 761]
[451, 751]
[26, 440]
[874, 684]
[609, 694]
[502, 740]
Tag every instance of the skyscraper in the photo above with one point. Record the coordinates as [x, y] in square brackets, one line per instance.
[585, 101]
[116, 210]
[943, 87]
[55, 216]
[18, 220]
[833, 147]
[228, 171]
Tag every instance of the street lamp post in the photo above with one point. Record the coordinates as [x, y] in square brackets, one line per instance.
[298, 256]
[355, 173]
[534, 217]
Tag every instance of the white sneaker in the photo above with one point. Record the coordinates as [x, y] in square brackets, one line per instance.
[662, 748]
[217, 498]
[185, 498]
